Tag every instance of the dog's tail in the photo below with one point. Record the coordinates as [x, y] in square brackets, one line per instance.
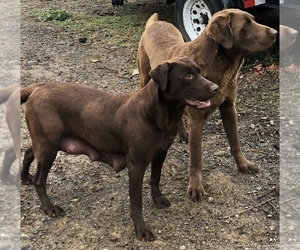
[152, 19]
[6, 92]
[26, 91]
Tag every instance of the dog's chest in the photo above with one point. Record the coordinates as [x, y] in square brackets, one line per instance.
[161, 140]
[165, 142]
[224, 74]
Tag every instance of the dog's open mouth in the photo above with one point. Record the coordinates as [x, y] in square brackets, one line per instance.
[197, 104]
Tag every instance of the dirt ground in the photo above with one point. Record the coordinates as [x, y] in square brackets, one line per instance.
[239, 212]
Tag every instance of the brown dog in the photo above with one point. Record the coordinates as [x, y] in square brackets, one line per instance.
[125, 130]
[219, 51]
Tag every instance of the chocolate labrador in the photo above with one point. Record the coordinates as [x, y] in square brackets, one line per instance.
[219, 51]
[124, 130]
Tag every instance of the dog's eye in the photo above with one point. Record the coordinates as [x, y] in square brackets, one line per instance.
[248, 24]
[189, 76]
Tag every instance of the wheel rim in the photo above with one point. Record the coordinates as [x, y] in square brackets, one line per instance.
[195, 17]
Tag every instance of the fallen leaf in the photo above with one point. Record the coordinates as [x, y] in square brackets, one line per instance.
[135, 72]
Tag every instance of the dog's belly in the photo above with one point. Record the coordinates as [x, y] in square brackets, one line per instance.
[72, 145]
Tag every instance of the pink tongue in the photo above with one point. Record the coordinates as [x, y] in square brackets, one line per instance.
[204, 104]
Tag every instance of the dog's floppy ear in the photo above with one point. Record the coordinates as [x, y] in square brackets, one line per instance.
[160, 75]
[220, 31]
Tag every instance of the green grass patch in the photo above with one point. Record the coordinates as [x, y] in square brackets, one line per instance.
[125, 29]
[53, 15]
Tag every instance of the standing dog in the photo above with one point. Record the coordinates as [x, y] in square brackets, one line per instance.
[125, 130]
[219, 51]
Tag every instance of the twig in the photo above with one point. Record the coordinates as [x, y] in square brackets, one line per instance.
[274, 208]
[125, 77]
[252, 192]
[257, 134]
[113, 212]
[240, 227]
[266, 193]
[291, 205]
[246, 210]
[265, 211]
[291, 199]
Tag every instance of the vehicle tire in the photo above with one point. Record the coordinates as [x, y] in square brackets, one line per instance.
[117, 2]
[191, 16]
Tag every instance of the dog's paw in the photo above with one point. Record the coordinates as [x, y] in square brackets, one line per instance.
[183, 136]
[248, 168]
[54, 211]
[196, 193]
[27, 180]
[144, 234]
[196, 190]
[9, 179]
[161, 202]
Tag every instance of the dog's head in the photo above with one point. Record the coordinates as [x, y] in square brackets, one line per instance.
[288, 36]
[180, 79]
[233, 28]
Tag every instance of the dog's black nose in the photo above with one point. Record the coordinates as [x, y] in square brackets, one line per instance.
[274, 33]
[214, 88]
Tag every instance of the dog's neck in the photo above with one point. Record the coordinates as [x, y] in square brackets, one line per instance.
[229, 58]
[208, 54]
[163, 112]
[202, 50]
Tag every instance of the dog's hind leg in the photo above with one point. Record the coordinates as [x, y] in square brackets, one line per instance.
[143, 66]
[26, 177]
[45, 159]
[159, 199]
[5, 175]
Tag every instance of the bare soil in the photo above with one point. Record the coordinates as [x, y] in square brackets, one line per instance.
[239, 212]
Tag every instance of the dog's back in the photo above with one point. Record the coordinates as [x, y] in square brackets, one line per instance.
[168, 35]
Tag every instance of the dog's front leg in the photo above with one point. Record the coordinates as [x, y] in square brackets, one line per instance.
[136, 174]
[229, 118]
[159, 199]
[195, 189]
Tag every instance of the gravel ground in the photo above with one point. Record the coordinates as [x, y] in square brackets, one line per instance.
[239, 212]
